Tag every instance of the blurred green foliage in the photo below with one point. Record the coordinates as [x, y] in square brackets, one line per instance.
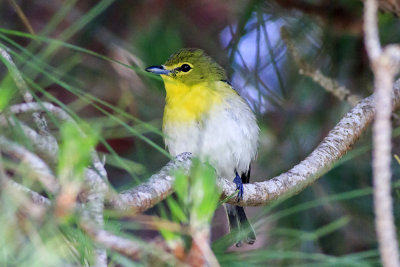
[75, 150]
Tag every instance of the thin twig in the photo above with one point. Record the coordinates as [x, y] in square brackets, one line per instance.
[330, 85]
[383, 203]
[371, 33]
[201, 246]
[385, 64]
[22, 16]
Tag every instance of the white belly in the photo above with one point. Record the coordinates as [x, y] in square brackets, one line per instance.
[227, 138]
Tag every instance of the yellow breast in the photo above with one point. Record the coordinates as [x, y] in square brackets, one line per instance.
[188, 103]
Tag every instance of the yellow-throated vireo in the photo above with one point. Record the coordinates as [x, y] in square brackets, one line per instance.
[204, 115]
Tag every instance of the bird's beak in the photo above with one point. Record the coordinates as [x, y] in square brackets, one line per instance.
[160, 70]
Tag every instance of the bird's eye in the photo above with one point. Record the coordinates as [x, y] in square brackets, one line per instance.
[185, 68]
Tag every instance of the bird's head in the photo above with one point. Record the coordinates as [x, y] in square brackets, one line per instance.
[189, 66]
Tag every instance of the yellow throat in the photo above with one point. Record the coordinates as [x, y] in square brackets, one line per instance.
[187, 103]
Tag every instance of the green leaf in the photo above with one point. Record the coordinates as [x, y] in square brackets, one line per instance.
[7, 92]
[75, 149]
[168, 235]
[204, 193]
[181, 186]
[176, 210]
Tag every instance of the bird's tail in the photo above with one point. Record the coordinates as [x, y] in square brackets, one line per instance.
[238, 222]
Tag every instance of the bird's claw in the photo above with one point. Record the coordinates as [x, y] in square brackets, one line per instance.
[239, 187]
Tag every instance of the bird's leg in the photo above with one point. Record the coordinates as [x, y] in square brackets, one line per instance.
[239, 186]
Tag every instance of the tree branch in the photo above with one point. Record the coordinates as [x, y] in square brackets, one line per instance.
[63, 116]
[39, 168]
[110, 241]
[42, 145]
[34, 196]
[28, 97]
[93, 212]
[127, 247]
[338, 141]
[95, 179]
[330, 150]
[157, 188]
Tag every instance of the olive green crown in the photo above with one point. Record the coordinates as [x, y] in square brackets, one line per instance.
[204, 68]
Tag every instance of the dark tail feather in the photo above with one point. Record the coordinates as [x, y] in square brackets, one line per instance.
[246, 226]
[238, 221]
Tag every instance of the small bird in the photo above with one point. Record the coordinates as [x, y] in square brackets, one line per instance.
[204, 115]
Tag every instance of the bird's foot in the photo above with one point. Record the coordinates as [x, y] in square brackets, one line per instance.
[239, 186]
